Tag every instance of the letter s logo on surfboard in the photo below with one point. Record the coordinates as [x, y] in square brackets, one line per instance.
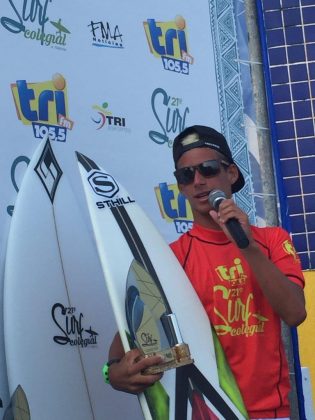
[103, 184]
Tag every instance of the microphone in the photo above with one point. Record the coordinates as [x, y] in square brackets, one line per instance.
[233, 225]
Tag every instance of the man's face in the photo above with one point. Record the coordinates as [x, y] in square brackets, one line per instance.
[198, 190]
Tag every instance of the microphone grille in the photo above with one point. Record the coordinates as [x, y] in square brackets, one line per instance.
[215, 197]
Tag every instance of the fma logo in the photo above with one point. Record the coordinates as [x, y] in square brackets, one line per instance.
[174, 207]
[44, 105]
[168, 40]
[105, 36]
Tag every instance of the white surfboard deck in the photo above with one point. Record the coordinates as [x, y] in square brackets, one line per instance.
[124, 234]
[54, 307]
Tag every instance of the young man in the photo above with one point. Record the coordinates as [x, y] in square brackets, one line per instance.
[246, 292]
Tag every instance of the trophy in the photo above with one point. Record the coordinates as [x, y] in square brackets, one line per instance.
[152, 325]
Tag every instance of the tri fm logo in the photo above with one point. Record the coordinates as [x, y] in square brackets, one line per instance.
[168, 41]
[174, 206]
[44, 105]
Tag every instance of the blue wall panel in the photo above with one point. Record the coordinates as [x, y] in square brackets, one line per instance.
[288, 39]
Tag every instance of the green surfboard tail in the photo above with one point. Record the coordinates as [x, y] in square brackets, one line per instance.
[157, 398]
[226, 377]
[158, 401]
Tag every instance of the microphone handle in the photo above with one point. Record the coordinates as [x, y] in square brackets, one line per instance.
[237, 233]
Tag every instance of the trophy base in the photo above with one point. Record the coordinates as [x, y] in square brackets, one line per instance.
[174, 357]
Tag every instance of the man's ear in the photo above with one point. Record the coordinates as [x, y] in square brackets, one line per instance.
[233, 173]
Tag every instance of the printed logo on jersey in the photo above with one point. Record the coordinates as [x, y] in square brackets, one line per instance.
[70, 326]
[44, 106]
[233, 304]
[105, 185]
[103, 117]
[30, 18]
[234, 275]
[170, 115]
[105, 34]
[49, 171]
[289, 249]
[174, 207]
[168, 42]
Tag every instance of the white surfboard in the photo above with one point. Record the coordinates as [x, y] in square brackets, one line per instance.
[133, 255]
[4, 389]
[54, 306]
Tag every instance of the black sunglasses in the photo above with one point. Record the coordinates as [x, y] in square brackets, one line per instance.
[207, 169]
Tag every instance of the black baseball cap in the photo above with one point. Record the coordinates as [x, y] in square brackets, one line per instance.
[202, 136]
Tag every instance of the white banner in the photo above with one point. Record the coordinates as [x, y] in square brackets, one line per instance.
[117, 82]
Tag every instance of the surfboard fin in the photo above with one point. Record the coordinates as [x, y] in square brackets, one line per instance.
[18, 409]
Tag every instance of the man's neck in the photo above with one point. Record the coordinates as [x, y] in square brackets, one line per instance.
[206, 221]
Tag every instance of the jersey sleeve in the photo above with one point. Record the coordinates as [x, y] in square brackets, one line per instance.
[284, 255]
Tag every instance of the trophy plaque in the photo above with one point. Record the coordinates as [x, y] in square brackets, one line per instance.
[153, 327]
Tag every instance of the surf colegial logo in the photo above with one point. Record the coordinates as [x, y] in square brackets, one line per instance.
[70, 327]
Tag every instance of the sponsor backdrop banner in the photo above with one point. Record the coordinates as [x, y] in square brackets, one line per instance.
[117, 84]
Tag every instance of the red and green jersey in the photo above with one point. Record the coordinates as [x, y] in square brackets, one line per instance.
[247, 327]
